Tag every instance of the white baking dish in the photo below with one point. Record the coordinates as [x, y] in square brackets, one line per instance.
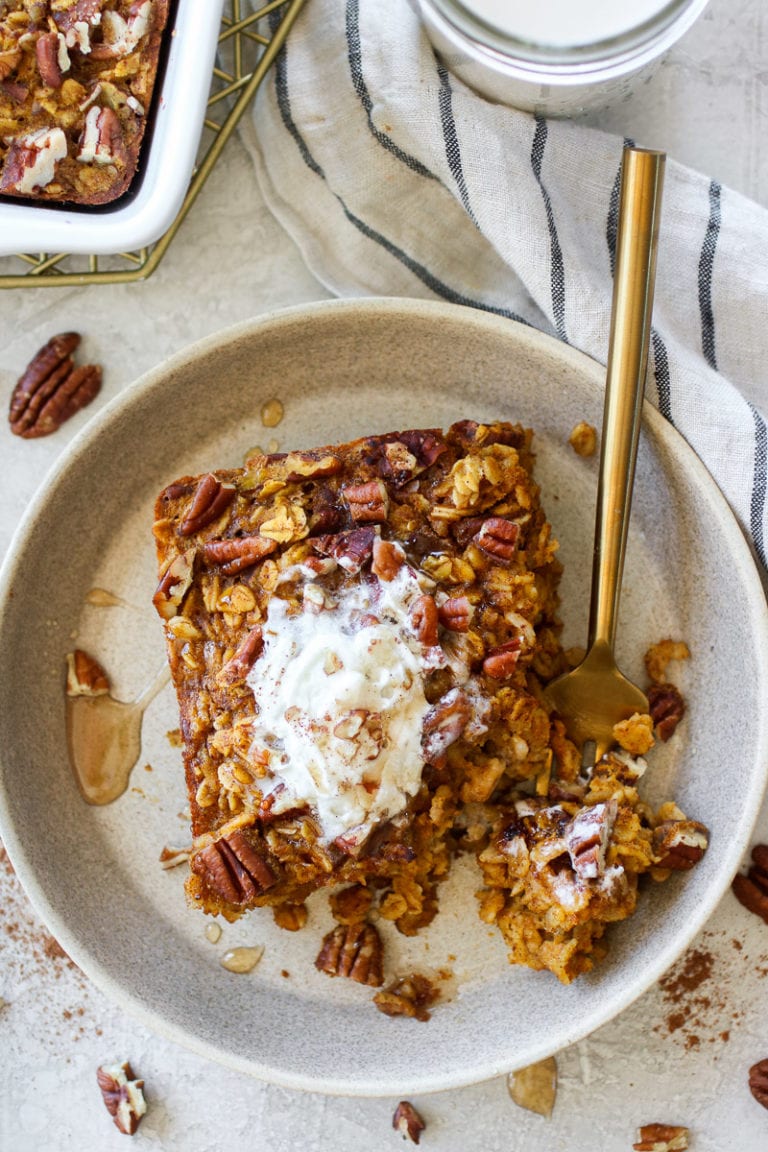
[167, 158]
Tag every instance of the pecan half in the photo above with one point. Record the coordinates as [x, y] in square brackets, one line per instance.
[233, 869]
[424, 620]
[244, 658]
[666, 706]
[174, 584]
[444, 723]
[758, 1082]
[52, 388]
[123, 1096]
[500, 662]
[388, 559]
[368, 503]
[587, 838]
[679, 844]
[661, 1138]
[85, 676]
[233, 556]
[210, 500]
[455, 614]
[498, 537]
[752, 890]
[47, 53]
[355, 951]
[349, 549]
[408, 1122]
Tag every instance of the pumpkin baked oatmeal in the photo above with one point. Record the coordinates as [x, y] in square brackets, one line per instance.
[76, 83]
[358, 636]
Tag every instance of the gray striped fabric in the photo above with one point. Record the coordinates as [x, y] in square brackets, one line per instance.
[395, 179]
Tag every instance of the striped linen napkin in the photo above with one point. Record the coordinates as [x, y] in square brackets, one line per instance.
[395, 179]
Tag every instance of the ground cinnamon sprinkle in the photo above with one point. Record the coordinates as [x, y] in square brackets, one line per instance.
[697, 1006]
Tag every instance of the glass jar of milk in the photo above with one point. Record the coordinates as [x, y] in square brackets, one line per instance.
[555, 57]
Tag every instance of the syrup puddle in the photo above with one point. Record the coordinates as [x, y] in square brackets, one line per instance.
[102, 598]
[104, 740]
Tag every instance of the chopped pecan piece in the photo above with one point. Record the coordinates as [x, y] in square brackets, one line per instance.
[244, 658]
[81, 12]
[758, 1082]
[368, 503]
[210, 500]
[666, 706]
[50, 58]
[587, 838]
[444, 723]
[174, 584]
[233, 869]
[85, 676]
[679, 844]
[349, 549]
[52, 388]
[388, 559]
[455, 614]
[408, 1122]
[31, 160]
[353, 950]
[661, 1138]
[102, 140]
[123, 1096]
[235, 555]
[500, 662]
[424, 620]
[410, 996]
[752, 890]
[498, 537]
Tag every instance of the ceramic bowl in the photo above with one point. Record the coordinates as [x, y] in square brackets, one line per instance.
[342, 369]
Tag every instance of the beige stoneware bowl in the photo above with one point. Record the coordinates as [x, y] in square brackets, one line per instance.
[342, 369]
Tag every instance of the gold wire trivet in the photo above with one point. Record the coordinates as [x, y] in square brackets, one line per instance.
[245, 55]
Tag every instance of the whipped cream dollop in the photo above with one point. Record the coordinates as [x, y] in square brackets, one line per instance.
[341, 704]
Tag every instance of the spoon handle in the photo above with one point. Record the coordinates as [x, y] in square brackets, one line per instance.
[642, 177]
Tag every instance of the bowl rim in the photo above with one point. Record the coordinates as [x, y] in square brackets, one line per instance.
[431, 311]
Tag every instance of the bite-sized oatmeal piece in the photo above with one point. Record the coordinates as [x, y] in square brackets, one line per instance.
[76, 84]
[660, 656]
[635, 735]
[358, 636]
[583, 439]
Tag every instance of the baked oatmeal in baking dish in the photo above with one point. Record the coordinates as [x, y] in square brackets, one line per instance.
[358, 636]
[76, 83]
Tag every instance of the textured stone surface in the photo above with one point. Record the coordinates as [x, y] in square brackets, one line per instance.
[678, 1056]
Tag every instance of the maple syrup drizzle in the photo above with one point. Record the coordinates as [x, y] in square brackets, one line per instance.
[104, 740]
[103, 598]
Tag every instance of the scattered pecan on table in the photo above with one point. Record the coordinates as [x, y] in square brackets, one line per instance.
[408, 1122]
[758, 1082]
[661, 1138]
[751, 889]
[123, 1096]
[52, 388]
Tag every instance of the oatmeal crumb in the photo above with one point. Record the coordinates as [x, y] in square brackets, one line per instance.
[583, 439]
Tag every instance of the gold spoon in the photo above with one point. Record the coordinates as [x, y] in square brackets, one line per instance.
[595, 696]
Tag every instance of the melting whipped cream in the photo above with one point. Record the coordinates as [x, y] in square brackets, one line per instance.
[341, 703]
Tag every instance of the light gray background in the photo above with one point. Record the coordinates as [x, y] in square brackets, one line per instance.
[708, 107]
